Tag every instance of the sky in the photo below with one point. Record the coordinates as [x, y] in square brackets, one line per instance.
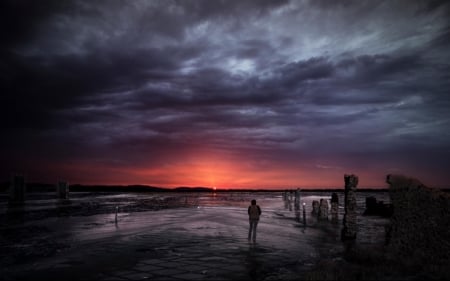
[245, 94]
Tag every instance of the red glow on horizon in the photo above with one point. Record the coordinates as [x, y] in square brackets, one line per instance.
[219, 172]
[215, 174]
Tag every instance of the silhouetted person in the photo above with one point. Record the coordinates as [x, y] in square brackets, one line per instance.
[254, 211]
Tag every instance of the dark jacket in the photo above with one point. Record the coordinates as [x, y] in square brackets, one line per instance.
[254, 211]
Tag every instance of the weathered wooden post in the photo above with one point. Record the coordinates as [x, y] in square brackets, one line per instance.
[323, 209]
[315, 207]
[290, 200]
[117, 211]
[334, 207]
[18, 188]
[285, 199]
[297, 199]
[304, 214]
[62, 190]
[350, 227]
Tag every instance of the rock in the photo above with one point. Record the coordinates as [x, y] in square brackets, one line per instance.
[419, 232]
[377, 208]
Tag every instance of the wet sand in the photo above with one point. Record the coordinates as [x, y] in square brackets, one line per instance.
[179, 239]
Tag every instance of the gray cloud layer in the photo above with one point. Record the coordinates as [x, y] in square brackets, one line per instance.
[302, 83]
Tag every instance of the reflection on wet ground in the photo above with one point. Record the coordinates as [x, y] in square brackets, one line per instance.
[176, 226]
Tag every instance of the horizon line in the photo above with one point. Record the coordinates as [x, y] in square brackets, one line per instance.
[212, 188]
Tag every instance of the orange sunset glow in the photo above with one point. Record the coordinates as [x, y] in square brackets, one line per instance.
[223, 172]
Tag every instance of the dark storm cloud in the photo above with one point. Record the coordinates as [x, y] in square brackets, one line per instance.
[332, 81]
[254, 48]
[369, 80]
[377, 67]
[20, 19]
[68, 81]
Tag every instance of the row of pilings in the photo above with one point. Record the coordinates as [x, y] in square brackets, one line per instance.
[418, 232]
[321, 210]
[18, 190]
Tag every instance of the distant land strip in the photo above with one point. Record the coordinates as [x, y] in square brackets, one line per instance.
[47, 187]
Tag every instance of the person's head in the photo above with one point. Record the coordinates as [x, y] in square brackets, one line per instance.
[253, 202]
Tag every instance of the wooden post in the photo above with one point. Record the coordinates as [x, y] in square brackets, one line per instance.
[350, 227]
[62, 190]
[334, 207]
[304, 214]
[323, 209]
[18, 189]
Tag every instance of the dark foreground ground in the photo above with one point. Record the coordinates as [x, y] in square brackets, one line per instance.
[185, 238]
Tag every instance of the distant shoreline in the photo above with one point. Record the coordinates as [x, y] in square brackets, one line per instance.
[46, 187]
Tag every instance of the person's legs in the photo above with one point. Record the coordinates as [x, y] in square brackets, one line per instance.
[255, 224]
[250, 230]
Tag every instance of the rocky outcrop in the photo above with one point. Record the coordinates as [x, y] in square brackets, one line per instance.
[419, 232]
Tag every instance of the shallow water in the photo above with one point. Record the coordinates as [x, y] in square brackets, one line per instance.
[45, 226]
[370, 228]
